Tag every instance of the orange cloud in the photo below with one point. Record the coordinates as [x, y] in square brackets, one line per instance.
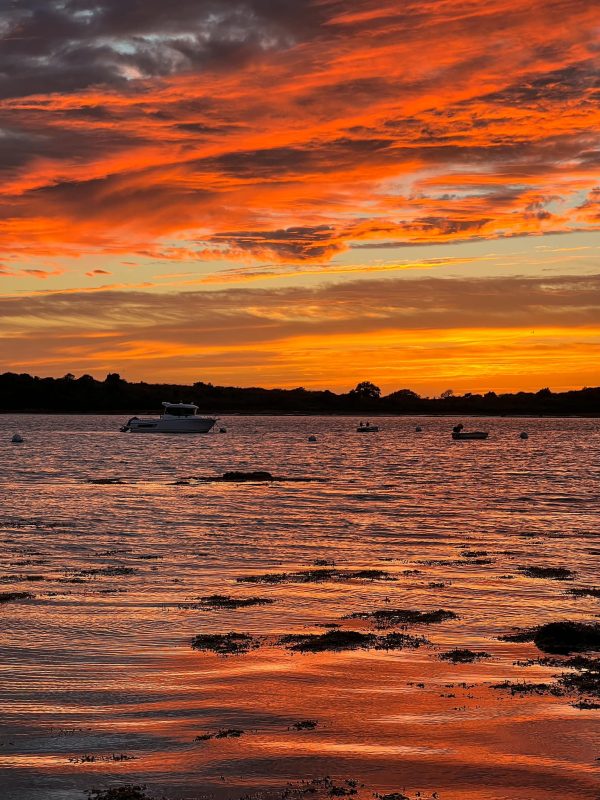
[95, 272]
[371, 119]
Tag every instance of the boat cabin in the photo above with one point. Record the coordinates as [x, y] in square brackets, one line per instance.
[179, 410]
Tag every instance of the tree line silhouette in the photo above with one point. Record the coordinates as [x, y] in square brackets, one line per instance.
[27, 393]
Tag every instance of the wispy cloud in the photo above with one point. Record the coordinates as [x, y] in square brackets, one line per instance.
[498, 332]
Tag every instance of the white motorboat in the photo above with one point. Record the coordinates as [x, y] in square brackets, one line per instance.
[176, 418]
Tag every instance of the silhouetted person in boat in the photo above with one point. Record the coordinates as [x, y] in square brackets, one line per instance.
[458, 428]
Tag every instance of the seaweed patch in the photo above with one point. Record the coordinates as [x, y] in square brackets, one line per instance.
[214, 602]
[225, 644]
[127, 792]
[224, 733]
[560, 637]
[317, 576]
[337, 640]
[465, 656]
[10, 597]
[585, 591]
[551, 573]
[389, 617]
[304, 725]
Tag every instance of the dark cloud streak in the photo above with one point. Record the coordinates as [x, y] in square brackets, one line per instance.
[52, 46]
[366, 305]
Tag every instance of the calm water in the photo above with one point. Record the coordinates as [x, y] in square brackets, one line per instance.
[101, 664]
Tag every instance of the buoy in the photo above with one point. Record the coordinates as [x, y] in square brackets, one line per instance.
[524, 435]
[312, 438]
[17, 439]
[418, 429]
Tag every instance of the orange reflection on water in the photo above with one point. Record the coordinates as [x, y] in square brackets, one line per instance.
[99, 662]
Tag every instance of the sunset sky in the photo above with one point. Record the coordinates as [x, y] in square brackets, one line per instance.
[302, 192]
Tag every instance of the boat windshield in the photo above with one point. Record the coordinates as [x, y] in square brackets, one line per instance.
[180, 411]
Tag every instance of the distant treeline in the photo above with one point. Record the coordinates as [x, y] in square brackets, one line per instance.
[115, 395]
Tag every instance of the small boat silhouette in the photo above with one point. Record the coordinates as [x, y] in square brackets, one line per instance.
[458, 433]
[367, 427]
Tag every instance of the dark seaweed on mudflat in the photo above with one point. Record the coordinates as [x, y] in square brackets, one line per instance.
[553, 573]
[9, 597]
[585, 591]
[126, 792]
[348, 640]
[465, 656]
[225, 601]
[318, 576]
[388, 617]
[225, 644]
[560, 637]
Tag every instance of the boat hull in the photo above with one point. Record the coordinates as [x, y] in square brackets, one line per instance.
[162, 425]
[471, 435]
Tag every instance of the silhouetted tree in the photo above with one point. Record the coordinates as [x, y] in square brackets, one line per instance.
[366, 391]
[405, 394]
[22, 392]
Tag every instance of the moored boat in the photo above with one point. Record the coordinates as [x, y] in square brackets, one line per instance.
[367, 427]
[176, 418]
[458, 432]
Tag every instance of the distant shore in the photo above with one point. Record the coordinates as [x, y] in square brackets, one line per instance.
[350, 414]
[23, 393]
